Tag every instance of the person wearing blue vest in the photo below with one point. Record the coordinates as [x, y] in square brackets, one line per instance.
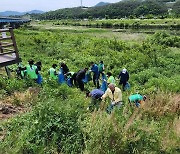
[95, 95]
[137, 99]
[95, 70]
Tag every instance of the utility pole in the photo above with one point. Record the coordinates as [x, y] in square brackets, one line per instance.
[81, 3]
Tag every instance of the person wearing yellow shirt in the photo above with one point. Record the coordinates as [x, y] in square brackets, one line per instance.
[115, 94]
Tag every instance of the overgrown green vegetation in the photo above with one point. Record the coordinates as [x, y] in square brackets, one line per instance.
[144, 24]
[59, 122]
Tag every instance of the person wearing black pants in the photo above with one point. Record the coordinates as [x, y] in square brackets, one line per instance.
[79, 77]
[124, 77]
[95, 70]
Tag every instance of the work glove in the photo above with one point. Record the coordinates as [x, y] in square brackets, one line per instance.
[113, 102]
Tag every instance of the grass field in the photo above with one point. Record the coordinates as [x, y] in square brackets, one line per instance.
[55, 119]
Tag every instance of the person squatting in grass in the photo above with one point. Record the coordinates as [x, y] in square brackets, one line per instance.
[21, 71]
[110, 79]
[52, 72]
[95, 95]
[115, 94]
[137, 99]
[64, 68]
[72, 77]
[32, 71]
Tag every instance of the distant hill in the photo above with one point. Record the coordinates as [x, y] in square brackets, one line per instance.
[101, 4]
[122, 9]
[10, 13]
[34, 12]
[15, 13]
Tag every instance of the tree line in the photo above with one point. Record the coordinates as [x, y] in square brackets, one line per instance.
[122, 9]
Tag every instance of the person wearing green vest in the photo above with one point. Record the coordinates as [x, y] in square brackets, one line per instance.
[110, 79]
[137, 99]
[52, 72]
[32, 71]
[101, 68]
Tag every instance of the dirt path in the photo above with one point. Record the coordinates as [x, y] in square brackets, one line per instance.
[17, 103]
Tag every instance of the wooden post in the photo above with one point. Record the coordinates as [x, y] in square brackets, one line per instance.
[7, 71]
[14, 43]
[1, 50]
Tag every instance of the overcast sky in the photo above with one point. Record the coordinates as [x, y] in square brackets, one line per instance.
[45, 5]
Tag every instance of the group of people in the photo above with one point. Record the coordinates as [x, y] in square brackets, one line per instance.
[115, 95]
[106, 89]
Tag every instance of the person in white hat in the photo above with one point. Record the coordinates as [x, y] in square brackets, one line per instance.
[124, 77]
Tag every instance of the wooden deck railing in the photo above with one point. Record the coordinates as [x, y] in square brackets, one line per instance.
[8, 46]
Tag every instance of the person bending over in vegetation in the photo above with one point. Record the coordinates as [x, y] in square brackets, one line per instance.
[52, 72]
[21, 71]
[32, 71]
[72, 77]
[64, 68]
[110, 79]
[137, 99]
[115, 94]
[94, 69]
[95, 95]
[39, 65]
[101, 68]
[124, 77]
[79, 78]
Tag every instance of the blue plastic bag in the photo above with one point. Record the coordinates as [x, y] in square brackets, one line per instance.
[69, 82]
[61, 78]
[85, 80]
[104, 86]
[39, 79]
[127, 86]
[104, 77]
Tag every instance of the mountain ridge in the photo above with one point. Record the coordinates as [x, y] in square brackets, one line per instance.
[101, 4]
[16, 13]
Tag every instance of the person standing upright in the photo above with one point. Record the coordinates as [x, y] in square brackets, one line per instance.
[101, 68]
[95, 70]
[124, 77]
